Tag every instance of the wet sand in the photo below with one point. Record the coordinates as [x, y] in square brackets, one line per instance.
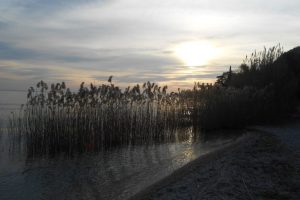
[256, 166]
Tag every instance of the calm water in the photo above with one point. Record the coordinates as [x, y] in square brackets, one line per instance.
[10, 101]
[114, 174]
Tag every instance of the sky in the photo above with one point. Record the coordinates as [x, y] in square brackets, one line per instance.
[174, 42]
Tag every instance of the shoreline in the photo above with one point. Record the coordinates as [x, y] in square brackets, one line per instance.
[255, 166]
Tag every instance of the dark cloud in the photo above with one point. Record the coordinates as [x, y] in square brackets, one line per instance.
[3, 25]
[8, 51]
[44, 7]
[26, 72]
[11, 52]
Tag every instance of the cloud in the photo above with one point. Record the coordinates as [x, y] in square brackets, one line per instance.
[43, 7]
[7, 51]
[134, 39]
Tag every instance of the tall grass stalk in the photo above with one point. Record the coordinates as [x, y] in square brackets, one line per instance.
[54, 119]
[57, 120]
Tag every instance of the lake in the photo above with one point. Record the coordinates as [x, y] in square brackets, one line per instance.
[10, 101]
[117, 173]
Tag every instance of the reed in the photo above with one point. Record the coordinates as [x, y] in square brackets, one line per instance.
[57, 120]
[230, 108]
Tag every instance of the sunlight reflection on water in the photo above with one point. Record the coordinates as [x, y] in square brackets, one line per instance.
[115, 174]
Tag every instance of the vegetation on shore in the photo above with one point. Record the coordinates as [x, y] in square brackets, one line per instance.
[265, 88]
[54, 119]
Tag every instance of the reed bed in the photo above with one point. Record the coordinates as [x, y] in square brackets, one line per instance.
[231, 108]
[57, 120]
[264, 88]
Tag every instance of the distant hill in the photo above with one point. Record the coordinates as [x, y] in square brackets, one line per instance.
[290, 59]
[289, 62]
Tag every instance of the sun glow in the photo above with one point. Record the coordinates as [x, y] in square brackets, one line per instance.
[196, 53]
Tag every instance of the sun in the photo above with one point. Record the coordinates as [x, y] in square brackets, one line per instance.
[196, 53]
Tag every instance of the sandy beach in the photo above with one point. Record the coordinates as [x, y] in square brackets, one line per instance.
[256, 166]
